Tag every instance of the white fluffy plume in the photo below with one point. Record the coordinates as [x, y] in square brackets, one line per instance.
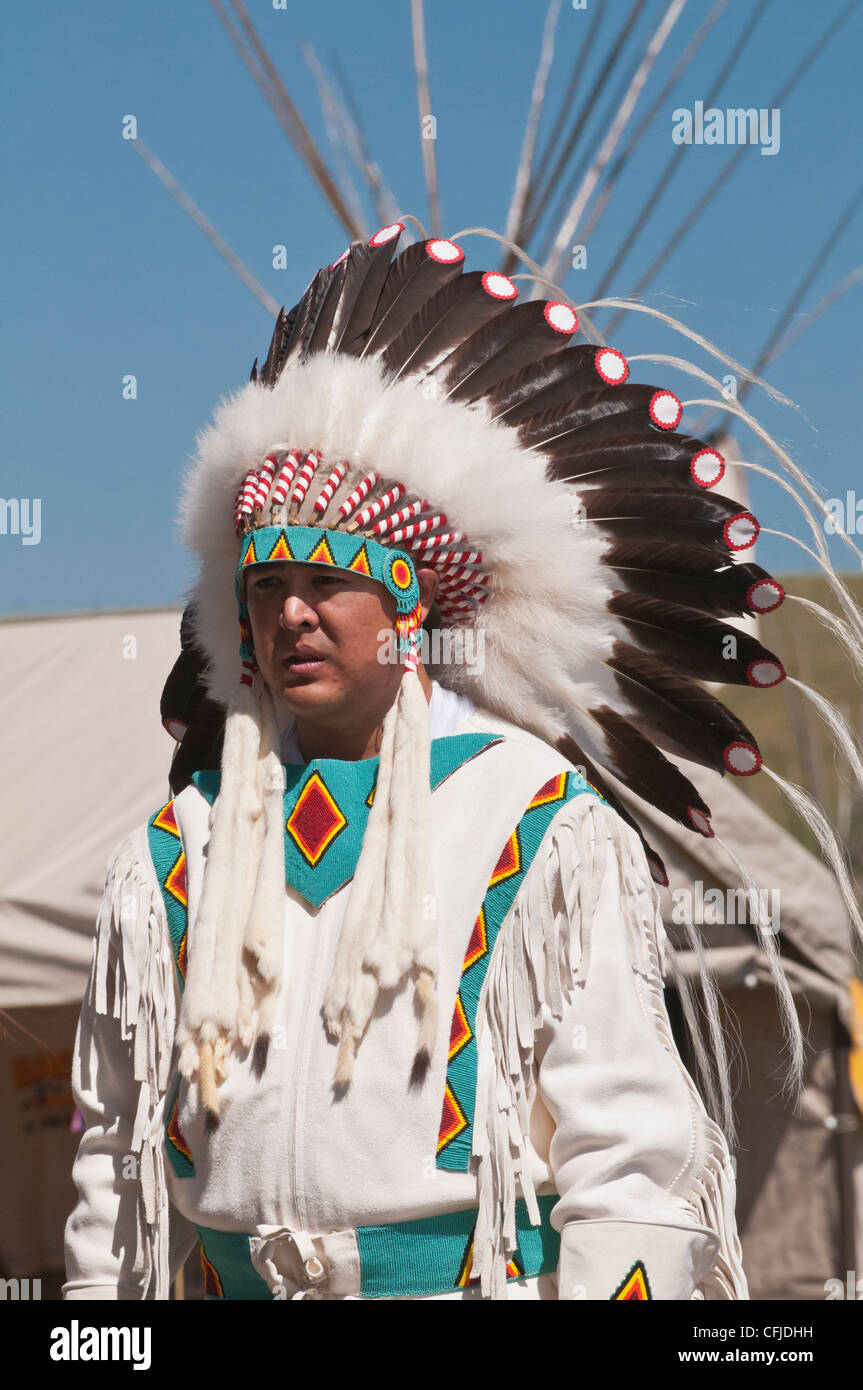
[471, 469]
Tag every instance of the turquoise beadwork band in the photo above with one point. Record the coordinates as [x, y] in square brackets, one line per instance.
[318, 545]
[402, 1259]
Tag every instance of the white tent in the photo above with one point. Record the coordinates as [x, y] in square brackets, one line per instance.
[85, 761]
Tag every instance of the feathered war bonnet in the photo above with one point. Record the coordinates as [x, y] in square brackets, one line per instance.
[412, 414]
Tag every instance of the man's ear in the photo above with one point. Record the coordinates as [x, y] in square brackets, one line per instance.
[428, 582]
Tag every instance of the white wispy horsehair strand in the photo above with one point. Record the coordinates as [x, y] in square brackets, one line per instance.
[734, 408]
[842, 733]
[722, 404]
[388, 930]
[722, 1109]
[629, 304]
[810, 812]
[794, 1079]
[822, 558]
[839, 628]
[633, 306]
[846, 599]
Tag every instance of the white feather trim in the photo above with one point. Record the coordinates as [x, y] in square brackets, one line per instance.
[544, 562]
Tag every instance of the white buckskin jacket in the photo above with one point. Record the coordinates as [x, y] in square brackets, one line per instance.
[556, 1088]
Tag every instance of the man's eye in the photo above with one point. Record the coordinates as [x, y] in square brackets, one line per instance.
[266, 581]
[327, 579]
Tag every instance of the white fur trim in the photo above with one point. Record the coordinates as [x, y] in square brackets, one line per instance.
[386, 931]
[219, 1009]
[544, 562]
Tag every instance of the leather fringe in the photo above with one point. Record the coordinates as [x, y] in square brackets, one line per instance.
[541, 951]
[133, 979]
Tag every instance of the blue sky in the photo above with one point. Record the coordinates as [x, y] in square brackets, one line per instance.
[107, 276]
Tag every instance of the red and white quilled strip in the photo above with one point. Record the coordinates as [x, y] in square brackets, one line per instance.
[453, 593]
[464, 589]
[469, 572]
[381, 504]
[304, 477]
[431, 543]
[418, 528]
[245, 496]
[412, 658]
[329, 487]
[449, 578]
[380, 528]
[448, 604]
[265, 477]
[247, 491]
[447, 598]
[454, 609]
[450, 595]
[287, 473]
[249, 669]
[462, 560]
[448, 601]
[362, 490]
[454, 557]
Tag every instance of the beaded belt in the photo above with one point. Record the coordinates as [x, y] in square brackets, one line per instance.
[404, 1258]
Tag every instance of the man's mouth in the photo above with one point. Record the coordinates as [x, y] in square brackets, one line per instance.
[303, 662]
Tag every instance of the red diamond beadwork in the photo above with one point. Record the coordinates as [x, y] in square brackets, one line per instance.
[315, 820]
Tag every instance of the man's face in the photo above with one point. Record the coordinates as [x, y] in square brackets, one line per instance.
[316, 631]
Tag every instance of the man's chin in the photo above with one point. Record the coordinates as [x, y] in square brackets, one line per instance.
[304, 690]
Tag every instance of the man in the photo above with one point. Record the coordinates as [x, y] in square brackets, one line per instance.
[386, 992]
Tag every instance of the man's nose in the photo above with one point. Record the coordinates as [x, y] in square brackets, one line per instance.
[296, 612]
